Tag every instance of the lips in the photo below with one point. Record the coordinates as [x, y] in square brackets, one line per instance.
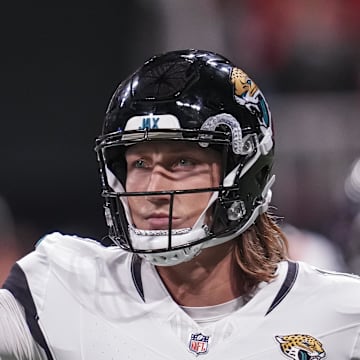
[159, 221]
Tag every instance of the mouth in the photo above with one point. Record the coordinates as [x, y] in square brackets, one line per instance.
[160, 221]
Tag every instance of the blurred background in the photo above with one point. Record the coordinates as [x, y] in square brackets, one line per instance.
[60, 63]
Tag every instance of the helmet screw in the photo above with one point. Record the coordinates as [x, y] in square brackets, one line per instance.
[236, 211]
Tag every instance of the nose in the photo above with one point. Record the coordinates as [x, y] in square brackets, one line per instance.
[159, 180]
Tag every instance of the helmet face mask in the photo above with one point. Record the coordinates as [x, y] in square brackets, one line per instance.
[197, 97]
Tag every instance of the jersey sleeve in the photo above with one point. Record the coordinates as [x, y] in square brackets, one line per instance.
[16, 341]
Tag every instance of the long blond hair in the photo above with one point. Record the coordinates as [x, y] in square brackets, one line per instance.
[259, 250]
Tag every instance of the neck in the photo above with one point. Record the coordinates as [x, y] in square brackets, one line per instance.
[209, 279]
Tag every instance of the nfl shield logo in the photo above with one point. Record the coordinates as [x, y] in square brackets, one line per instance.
[199, 343]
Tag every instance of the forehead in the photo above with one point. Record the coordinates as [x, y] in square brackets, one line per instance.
[171, 148]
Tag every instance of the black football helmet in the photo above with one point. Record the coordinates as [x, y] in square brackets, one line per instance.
[196, 96]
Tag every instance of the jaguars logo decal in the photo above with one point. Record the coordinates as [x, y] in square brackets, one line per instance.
[243, 84]
[248, 94]
[301, 347]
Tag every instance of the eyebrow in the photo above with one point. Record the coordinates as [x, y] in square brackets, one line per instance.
[169, 151]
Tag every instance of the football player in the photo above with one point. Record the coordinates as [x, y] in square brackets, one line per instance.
[199, 267]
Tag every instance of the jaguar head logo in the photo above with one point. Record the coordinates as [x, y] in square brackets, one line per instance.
[243, 84]
[247, 93]
[301, 347]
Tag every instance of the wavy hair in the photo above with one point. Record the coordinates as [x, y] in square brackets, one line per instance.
[259, 250]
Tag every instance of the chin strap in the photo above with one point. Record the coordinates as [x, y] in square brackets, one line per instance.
[151, 241]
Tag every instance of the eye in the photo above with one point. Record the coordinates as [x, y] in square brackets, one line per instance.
[139, 164]
[184, 162]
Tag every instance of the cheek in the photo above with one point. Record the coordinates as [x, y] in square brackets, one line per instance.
[131, 184]
[216, 174]
[209, 178]
[191, 205]
[194, 201]
[136, 204]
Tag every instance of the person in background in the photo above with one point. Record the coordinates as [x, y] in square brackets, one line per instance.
[314, 248]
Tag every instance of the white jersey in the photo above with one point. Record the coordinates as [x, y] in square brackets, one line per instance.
[86, 301]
